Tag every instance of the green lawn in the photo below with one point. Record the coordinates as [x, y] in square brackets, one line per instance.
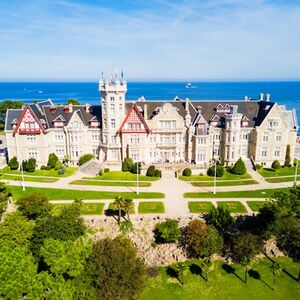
[151, 207]
[114, 209]
[50, 173]
[256, 205]
[65, 194]
[269, 172]
[119, 175]
[264, 193]
[226, 176]
[232, 206]
[28, 178]
[226, 282]
[225, 183]
[200, 206]
[282, 179]
[110, 183]
[86, 209]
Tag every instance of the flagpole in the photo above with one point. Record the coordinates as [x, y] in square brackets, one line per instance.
[137, 178]
[23, 181]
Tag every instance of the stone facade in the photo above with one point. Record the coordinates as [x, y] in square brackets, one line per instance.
[153, 131]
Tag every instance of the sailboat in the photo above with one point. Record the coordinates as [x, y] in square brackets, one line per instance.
[190, 86]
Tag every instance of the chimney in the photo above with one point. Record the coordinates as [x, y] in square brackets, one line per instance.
[145, 111]
[268, 97]
[87, 108]
[70, 108]
[261, 97]
[199, 109]
[187, 100]
[247, 98]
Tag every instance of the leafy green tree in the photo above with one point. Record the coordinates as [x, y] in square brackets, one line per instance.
[287, 161]
[150, 171]
[13, 163]
[136, 168]
[167, 231]
[116, 270]
[127, 164]
[66, 257]
[4, 195]
[34, 206]
[128, 207]
[275, 269]
[246, 262]
[157, 173]
[30, 165]
[9, 104]
[220, 218]
[276, 165]
[85, 158]
[58, 165]
[201, 240]
[119, 204]
[207, 265]
[52, 159]
[72, 101]
[179, 269]
[239, 167]
[15, 231]
[187, 172]
[218, 169]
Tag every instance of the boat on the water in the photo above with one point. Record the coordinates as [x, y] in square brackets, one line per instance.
[190, 86]
[40, 92]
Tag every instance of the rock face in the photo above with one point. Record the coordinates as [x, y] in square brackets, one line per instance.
[143, 239]
[271, 248]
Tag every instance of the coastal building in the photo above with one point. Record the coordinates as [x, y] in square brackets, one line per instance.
[153, 132]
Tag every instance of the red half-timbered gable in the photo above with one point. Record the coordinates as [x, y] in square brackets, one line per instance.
[29, 123]
[134, 122]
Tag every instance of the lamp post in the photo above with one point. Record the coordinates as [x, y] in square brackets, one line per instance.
[296, 172]
[23, 181]
[137, 177]
[215, 173]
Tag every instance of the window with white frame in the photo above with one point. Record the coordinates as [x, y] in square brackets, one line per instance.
[58, 137]
[112, 99]
[278, 137]
[60, 151]
[167, 124]
[264, 151]
[216, 137]
[113, 139]
[134, 139]
[135, 155]
[265, 137]
[201, 141]
[76, 124]
[273, 123]
[95, 135]
[245, 136]
[32, 153]
[112, 108]
[95, 151]
[113, 123]
[277, 151]
[31, 138]
[114, 154]
[201, 157]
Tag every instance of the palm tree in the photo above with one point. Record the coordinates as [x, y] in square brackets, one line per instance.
[119, 203]
[128, 206]
[246, 263]
[207, 265]
[276, 269]
[179, 268]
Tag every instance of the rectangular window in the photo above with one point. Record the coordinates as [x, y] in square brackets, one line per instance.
[277, 152]
[201, 156]
[167, 124]
[134, 139]
[113, 139]
[265, 137]
[264, 152]
[32, 153]
[135, 155]
[112, 109]
[31, 138]
[114, 154]
[273, 123]
[60, 152]
[113, 123]
[95, 136]
[112, 99]
[278, 137]
[59, 137]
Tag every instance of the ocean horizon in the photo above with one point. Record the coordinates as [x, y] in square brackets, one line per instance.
[283, 92]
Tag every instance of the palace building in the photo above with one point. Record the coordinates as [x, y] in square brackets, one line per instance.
[153, 132]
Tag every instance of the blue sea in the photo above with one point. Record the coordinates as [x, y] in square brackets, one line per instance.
[283, 92]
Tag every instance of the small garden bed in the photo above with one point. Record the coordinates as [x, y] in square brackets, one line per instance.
[256, 205]
[119, 175]
[86, 209]
[109, 183]
[200, 206]
[233, 206]
[286, 171]
[151, 207]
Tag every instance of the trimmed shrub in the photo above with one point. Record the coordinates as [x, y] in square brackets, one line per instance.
[43, 167]
[287, 162]
[239, 167]
[150, 171]
[167, 232]
[136, 168]
[257, 166]
[106, 170]
[157, 173]
[85, 158]
[276, 165]
[187, 172]
[52, 159]
[127, 164]
[58, 165]
[47, 168]
[13, 163]
[219, 171]
[100, 172]
[30, 165]
[61, 171]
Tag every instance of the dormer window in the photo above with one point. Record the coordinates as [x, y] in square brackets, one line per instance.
[66, 109]
[94, 122]
[53, 109]
[245, 122]
[14, 123]
[59, 122]
[222, 108]
[215, 120]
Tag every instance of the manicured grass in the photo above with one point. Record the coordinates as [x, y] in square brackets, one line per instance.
[232, 206]
[49, 173]
[200, 206]
[114, 209]
[225, 285]
[151, 207]
[225, 183]
[119, 175]
[110, 183]
[256, 205]
[264, 193]
[86, 209]
[269, 172]
[282, 179]
[65, 194]
[28, 178]
[226, 176]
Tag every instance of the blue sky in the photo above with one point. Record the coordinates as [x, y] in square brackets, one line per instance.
[150, 40]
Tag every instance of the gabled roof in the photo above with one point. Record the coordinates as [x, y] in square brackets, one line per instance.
[59, 118]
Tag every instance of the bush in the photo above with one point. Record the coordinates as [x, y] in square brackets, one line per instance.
[106, 170]
[61, 171]
[85, 158]
[52, 159]
[167, 232]
[220, 218]
[30, 165]
[258, 167]
[287, 161]
[187, 172]
[136, 168]
[239, 167]
[276, 164]
[100, 172]
[13, 163]
[150, 171]
[58, 165]
[157, 173]
[48, 168]
[219, 171]
[127, 164]
[43, 167]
